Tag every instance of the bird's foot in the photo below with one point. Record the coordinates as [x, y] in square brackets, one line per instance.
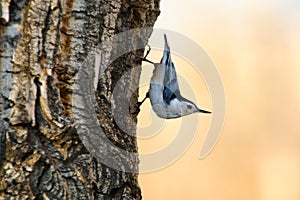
[136, 109]
[139, 59]
[138, 105]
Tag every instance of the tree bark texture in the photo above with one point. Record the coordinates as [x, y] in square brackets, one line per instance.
[43, 44]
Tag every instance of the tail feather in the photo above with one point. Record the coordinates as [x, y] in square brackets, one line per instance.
[167, 48]
[167, 54]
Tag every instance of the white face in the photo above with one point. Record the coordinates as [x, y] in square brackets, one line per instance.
[188, 108]
[175, 109]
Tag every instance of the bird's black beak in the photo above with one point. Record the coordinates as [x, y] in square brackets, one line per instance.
[203, 111]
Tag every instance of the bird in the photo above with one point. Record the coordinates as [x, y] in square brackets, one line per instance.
[164, 93]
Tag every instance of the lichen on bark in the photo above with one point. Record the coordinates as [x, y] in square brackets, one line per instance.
[43, 45]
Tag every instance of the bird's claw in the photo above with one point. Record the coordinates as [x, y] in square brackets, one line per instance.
[136, 109]
[140, 59]
[138, 104]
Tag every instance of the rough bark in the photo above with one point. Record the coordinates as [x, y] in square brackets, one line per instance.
[43, 44]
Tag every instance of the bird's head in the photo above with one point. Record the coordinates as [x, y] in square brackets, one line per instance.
[189, 108]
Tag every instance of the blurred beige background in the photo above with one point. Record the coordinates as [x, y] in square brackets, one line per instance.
[256, 47]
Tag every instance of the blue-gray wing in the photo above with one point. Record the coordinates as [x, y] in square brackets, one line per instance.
[171, 89]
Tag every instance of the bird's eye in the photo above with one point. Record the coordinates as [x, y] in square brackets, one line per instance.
[189, 106]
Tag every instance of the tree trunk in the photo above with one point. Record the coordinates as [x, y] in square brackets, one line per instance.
[43, 47]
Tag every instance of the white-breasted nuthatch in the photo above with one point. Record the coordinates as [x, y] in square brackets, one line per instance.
[164, 92]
